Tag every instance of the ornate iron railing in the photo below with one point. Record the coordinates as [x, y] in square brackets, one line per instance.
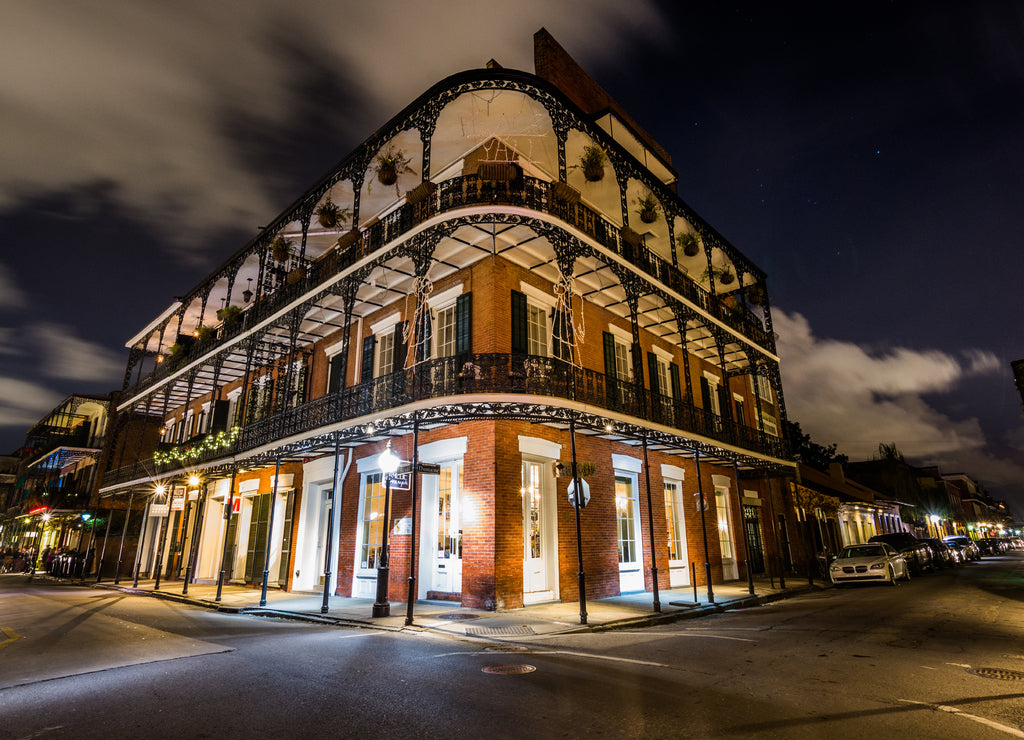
[452, 194]
[508, 375]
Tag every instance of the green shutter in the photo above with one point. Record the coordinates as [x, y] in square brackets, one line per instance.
[652, 371]
[609, 355]
[519, 344]
[705, 393]
[401, 347]
[464, 324]
[677, 391]
[336, 373]
[366, 371]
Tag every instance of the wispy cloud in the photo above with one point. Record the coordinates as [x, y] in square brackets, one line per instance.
[67, 357]
[139, 97]
[841, 392]
[11, 296]
[23, 404]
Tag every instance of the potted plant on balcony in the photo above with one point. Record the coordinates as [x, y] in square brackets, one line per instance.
[331, 215]
[723, 275]
[176, 351]
[690, 243]
[755, 295]
[281, 249]
[205, 333]
[391, 163]
[647, 208]
[564, 192]
[592, 162]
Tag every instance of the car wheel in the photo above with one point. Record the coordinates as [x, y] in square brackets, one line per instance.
[892, 576]
[906, 573]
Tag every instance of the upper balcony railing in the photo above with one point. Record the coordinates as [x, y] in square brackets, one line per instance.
[507, 375]
[459, 192]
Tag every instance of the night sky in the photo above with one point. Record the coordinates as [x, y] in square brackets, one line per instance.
[867, 155]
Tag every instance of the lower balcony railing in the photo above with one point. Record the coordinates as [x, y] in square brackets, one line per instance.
[476, 374]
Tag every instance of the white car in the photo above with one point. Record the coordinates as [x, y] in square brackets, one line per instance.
[870, 561]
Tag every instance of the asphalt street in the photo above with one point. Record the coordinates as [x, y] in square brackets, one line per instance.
[942, 657]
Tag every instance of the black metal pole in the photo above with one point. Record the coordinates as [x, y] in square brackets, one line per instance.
[411, 598]
[194, 543]
[270, 532]
[103, 550]
[329, 554]
[381, 607]
[746, 535]
[650, 526]
[775, 533]
[162, 536]
[142, 539]
[88, 547]
[581, 577]
[228, 513]
[704, 528]
[124, 531]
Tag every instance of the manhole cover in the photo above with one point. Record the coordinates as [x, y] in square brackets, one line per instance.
[1000, 673]
[508, 669]
[500, 631]
[455, 616]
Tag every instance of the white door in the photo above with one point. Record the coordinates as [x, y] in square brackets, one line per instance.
[326, 511]
[726, 536]
[539, 554]
[627, 513]
[444, 528]
[678, 561]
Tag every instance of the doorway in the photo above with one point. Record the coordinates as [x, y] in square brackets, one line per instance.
[539, 549]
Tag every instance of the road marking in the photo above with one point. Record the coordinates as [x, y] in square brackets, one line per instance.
[490, 653]
[929, 668]
[687, 634]
[960, 665]
[981, 720]
[11, 636]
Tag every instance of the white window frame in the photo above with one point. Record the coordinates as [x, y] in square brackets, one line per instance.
[762, 389]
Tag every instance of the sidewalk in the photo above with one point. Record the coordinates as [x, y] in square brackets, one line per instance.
[615, 612]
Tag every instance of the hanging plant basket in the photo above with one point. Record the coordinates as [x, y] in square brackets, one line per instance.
[592, 163]
[690, 242]
[281, 249]
[725, 277]
[755, 295]
[647, 208]
[390, 164]
[330, 215]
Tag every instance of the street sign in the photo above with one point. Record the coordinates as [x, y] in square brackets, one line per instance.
[564, 469]
[399, 481]
[159, 509]
[178, 504]
[428, 468]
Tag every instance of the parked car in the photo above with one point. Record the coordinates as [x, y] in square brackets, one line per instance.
[989, 546]
[870, 561]
[942, 554]
[965, 544]
[917, 553]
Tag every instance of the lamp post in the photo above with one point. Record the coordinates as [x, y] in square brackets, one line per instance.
[388, 462]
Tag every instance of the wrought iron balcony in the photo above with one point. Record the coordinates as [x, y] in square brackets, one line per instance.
[459, 192]
[508, 376]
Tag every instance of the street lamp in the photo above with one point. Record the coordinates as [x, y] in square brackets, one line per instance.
[388, 462]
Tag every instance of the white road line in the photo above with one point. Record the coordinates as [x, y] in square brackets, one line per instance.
[687, 634]
[1013, 731]
[528, 653]
[960, 665]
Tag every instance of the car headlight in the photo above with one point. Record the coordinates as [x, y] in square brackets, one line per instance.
[877, 566]
[836, 567]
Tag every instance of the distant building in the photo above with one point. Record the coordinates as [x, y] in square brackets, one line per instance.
[47, 504]
[499, 279]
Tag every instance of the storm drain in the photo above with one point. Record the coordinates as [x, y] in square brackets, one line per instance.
[456, 616]
[508, 669]
[518, 629]
[1001, 673]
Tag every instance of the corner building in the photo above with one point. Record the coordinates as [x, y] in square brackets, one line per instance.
[469, 288]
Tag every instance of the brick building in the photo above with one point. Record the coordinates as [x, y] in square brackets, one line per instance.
[500, 279]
